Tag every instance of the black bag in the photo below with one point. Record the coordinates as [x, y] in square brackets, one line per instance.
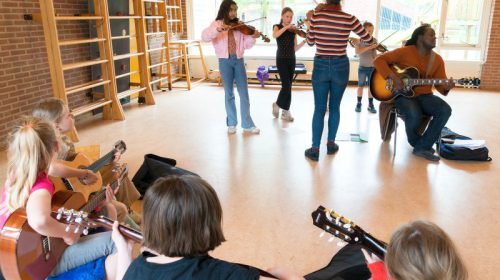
[153, 168]
[448, 151]
[348, 264]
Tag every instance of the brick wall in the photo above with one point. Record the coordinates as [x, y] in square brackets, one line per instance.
[491, 69]
[24, 71]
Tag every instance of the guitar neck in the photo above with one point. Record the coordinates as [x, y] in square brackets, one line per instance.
[378, 247]
[99, 197]
[426, 82]
[129, 233]
[98, 164]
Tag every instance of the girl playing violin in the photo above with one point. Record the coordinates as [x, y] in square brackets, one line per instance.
[285, 61]
[230, 45]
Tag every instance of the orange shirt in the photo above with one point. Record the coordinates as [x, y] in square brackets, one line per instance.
[409, 57]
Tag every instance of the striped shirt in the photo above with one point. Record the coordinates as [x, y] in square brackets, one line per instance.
[330, 28]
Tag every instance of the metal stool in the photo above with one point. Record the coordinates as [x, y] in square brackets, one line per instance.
[392, 124]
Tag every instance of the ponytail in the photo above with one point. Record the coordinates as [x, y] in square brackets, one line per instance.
[32, 144]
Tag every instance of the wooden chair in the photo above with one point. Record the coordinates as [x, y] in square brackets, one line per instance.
[182, 60]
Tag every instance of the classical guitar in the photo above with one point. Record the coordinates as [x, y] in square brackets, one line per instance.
[383, 89]
[83, 162]
[24, 253]
[347, 231]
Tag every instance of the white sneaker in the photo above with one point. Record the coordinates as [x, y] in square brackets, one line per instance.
[276, 110]
[286, 116]
[253, 130]
[231, 129]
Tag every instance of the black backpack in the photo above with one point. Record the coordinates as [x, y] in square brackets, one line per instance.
[153, 168]
[451, 152]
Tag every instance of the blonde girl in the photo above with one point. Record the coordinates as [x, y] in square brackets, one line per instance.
[33, 145]
[55, 111]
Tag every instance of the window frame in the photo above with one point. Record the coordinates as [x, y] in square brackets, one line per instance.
[480, 46]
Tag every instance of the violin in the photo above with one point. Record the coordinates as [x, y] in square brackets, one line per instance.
[381, 48]
[297, 30]
[246, 29]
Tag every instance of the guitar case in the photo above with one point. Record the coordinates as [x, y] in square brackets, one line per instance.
[153, 168]
[348, 264]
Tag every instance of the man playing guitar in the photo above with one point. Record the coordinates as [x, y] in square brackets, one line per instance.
[418, 53]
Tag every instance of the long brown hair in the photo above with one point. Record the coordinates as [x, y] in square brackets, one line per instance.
[182, 217]
[284, 11]
[224, 9]
[422, 250]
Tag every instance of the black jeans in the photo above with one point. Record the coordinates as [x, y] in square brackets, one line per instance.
[286, 69]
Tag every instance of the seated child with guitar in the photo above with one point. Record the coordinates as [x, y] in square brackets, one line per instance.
[182, 223]
[33, 146]
[418, 250]
[55, 111]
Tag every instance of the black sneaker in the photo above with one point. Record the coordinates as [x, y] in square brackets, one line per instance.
[427, 154]
[312, 153]
[372, 109]
[332, 148]
[358, 108]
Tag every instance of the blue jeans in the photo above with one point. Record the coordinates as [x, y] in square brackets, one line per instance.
[329, 78]
[87, 249]
[364, 74]
[413, 110]
[233, 69]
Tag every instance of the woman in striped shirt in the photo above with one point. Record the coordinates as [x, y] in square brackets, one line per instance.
[328, 29]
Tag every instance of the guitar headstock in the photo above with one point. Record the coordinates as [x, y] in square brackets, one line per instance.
[471, 82]
[120, 146]
[82, 221]
[337, 225]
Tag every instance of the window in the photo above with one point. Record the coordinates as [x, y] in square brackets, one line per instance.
[463, 22]
[398, 19]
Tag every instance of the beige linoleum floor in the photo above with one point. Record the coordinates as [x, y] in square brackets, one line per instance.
[268, 189]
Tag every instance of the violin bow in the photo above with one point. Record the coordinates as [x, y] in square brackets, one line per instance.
[388, 36]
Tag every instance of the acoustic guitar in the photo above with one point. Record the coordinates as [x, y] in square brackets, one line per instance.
[24, 253]
[81, 161]
[383, 89]
[347, 231]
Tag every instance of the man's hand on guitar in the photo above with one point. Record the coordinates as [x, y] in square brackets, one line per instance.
[88, 178]
[449, 85]
[397, 83]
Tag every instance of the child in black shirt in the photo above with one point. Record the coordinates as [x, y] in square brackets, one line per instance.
[285, 62]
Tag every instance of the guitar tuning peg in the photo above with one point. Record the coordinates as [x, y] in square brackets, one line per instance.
[77, 229]
[85, 231]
